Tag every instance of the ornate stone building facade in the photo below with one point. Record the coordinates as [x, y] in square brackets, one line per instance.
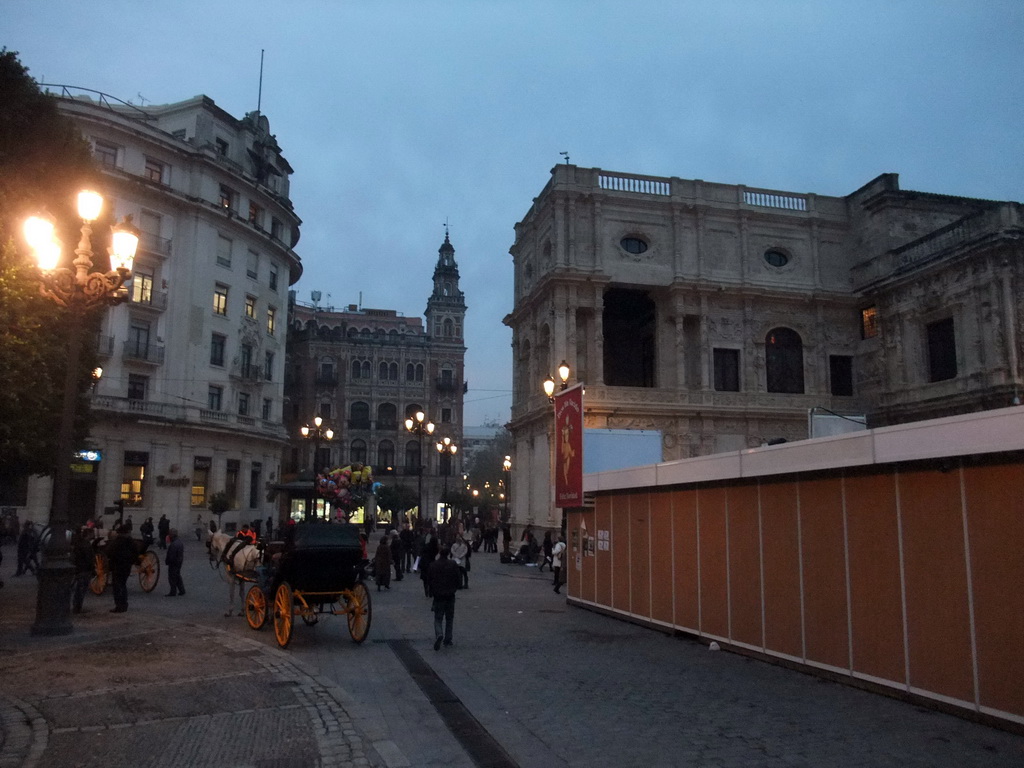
[721, 315]
[191, 397]
[365, 370]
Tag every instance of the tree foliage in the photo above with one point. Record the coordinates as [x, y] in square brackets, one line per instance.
[43, 162]
[396, 498]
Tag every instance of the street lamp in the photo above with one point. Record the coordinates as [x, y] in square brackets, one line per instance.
[506, 465]
[549, 382]
[316, 433]
[447, 449]
[419, 426]
[79, 290]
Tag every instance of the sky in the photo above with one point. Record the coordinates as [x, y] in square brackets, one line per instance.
[400, 116]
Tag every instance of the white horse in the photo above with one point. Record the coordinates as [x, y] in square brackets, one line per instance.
[236, 557]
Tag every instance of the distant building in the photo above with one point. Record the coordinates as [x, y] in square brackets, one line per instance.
[721, 315]
[364, 371]
[190, 400]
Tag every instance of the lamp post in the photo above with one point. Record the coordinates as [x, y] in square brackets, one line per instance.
[316, 433]
[549, 390]
[447, 449]
[419, 426]
[506, 466]
[79, 290]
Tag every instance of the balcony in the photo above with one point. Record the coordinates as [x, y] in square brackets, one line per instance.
[155, 301]
[326, 379]
[104, 345]
[246, 372]
[358, 423]
[447, 385]
[154, 244]
[387, 426]
[143, 352]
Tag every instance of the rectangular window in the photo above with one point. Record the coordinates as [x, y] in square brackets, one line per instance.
[255, 215]
[255, 471]
[154, 170]
[727, 370]
[267, 405]
[273, 277]
[252, 265]
[133, 476]
[446, 415]
[271, 320]
[137, 386]
[869, 322]
[220, 300]
[142, 287]
[224, 251]
[245, 361]
[222, 147]
[268, 367]
[840, 368]
[243, 404]
[217, 344]
[228, 198]
[276, 228]
[325, 411]
[200, 479]
[106, 154]
[138, 339]
[941, 350]
[215, 398]
[250, 307]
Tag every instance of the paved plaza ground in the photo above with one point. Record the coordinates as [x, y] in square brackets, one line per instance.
[529, 682]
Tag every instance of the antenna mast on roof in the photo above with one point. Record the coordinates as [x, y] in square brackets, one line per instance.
[259, 96]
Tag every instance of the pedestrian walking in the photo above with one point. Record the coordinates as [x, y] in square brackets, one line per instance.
[428, 551]
[397, 553]
[460, 555]
[164, 528]
[121, 556]
[174, 559]
[146, 532]
[83, 558]
[443, 578]
[270, 528]
[199, 527]
[382, 563]
[28, 545]
[408, 537]
[556, 563]
[546, 547]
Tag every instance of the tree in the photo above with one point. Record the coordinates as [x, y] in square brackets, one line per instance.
[43, 162]
[396, 498]
[220, 502]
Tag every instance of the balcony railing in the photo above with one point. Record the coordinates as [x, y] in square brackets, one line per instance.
[155, 244]
[155, 300]
[249, 372]
[447, 385]
[327, 379]
[358, 423]
[145, 353]
[387, 426]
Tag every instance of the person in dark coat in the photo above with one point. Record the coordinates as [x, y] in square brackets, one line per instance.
[83, 558]
[163, 527]
[547, 546]
[428, 551]
[397, 553]
[121, 556]
[174, 559]
[408, 537]
[146, 532]
[28, 544]
[444, 578]
[382, 564]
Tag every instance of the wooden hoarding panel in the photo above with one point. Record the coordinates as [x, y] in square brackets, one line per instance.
[826, 630]
[602, 557]
[661, 556]
[744, 566]
[995, 521]
[618, 541]
[780, 543]
[938, 619]
[640, 554]
[714, 596]
[684, 542]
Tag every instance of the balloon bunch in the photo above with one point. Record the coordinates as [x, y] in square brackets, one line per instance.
[346, 487]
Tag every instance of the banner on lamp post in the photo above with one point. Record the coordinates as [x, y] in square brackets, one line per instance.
[569, 447]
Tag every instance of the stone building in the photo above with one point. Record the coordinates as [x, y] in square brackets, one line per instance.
[364, 371]
[723, 315]
[191, 395]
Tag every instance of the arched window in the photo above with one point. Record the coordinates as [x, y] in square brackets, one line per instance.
[356, 368]
[412, 458]
[410, 372]
[784, 361]
[393, 372]
[419, 372]
[385, 455]
[382, 374]
[359, 416]
[410, 410]
[387, 417]
[449, 327]
[366, 369]
[352, 333]
[357, 452]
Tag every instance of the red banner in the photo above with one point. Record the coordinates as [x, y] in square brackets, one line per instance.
[569, 447]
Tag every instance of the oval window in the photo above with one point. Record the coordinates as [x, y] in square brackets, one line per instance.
[633, 245]
[776, 258]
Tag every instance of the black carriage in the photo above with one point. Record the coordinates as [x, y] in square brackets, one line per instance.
[317, 571]
[146, 566]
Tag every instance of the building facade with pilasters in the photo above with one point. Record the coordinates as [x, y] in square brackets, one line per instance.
[722, 316]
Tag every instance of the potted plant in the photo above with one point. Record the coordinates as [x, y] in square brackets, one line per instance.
[220, 503]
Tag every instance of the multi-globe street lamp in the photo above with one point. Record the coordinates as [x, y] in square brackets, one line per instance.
[447, 450]
[506, 467]
[549, 389]
[316, 433]
[549, 382]
[421, 427]
[79, 290]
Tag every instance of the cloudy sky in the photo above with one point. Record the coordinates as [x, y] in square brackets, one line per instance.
[398, 116]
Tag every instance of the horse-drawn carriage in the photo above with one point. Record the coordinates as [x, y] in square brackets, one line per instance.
[316, 571]
[147, 566]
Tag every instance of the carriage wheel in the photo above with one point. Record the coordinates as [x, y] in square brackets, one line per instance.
[149, 571]
[283, 611]
[358, 612]
[255, 607]
[98, 583]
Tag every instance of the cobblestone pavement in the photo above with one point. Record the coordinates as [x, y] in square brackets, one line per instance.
[530, 681]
